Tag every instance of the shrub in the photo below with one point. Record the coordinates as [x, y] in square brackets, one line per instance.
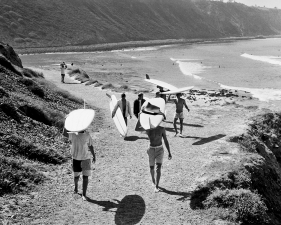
[31, 73]
[90, 82]
[21, 146]
[8, 65]
[33, 87]
[14, 176]
[245, 206]
[107, 86]
[63, 93]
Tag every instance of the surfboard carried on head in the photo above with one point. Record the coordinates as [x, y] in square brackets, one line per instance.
[179, 90]
[118, 118]
[172, 89]
[79, 120]
[160, 83]
[152, 114]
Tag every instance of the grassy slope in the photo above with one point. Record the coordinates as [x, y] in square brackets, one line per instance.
[60, 22]
[32, 112]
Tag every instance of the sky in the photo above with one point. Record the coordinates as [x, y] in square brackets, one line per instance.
[266, 3]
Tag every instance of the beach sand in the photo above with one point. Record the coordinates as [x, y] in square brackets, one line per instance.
[120, 190]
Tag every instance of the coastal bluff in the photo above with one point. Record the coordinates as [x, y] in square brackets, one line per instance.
[82, 22]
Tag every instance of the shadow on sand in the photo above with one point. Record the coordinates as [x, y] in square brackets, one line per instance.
[134, 138]
[130, 209]
[184, 195]
[209, 139]
[185, 124]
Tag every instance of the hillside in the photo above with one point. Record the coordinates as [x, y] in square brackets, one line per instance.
[32, 113]
[83, 22]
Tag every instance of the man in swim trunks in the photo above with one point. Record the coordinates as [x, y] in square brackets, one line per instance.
[179, 113]
[82, 152]
[156, 153]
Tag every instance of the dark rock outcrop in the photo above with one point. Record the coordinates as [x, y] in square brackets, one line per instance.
[8, 52]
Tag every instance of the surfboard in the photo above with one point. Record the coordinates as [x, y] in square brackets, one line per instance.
[118, 118]
[79, 120]
[149, 118]
[160, 83]
[178, 90]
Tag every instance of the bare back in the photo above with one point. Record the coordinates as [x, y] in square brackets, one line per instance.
[179, 104]
[155, 136]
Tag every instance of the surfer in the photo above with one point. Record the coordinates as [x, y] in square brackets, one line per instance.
[137, 104]
[124, 106]
[82, 151]
[161, 89]
[179, 113]
[156, 151]
[63, 66]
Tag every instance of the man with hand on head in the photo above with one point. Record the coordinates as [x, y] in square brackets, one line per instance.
[82, 152]
[156, 151]
[138, 104]
[179, 112]
[125, 107]
[63, 66]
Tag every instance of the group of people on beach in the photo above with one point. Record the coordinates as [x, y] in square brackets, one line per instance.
[82, 149]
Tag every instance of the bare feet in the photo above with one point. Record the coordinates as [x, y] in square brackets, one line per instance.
[156, 189]
[84, 198]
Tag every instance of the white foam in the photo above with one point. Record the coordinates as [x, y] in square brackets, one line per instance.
[190, 68]
[265, 94]
[267, 59]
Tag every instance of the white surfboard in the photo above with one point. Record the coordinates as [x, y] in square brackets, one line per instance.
[160, 83]
[178, 90]
[147, 119]
[79, 120]
[118, 118]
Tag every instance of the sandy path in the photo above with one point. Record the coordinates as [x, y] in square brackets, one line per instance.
[120, 189]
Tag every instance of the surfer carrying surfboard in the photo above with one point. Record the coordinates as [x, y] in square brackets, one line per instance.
[125, 107]
[179, 113]
[150, 119]
[63, 66]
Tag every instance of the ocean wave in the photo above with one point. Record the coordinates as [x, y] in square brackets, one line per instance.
[264, 94]
[267, 59]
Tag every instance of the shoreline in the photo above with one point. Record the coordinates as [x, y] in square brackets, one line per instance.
[131, 44]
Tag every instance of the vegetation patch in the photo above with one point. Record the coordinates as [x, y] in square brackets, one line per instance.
[79, 75]
[21, 146]
[33, 87]
[31, 73]
[15, 176]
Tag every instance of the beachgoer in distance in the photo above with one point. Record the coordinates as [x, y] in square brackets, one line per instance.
[137, 104]
[82, 152]
[124, 106]
[161, 89]
[179, 112]
[63, 66]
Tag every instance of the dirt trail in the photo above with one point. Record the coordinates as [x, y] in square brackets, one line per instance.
[120, 189]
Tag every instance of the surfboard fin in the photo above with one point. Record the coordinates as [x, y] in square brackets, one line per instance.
[108, 95]
[146, 76]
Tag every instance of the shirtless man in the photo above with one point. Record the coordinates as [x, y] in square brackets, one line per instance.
[179, 113]
[156, 153]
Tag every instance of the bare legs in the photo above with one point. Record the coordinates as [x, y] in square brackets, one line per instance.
[175, 126]
[158, 175]
[85, 185]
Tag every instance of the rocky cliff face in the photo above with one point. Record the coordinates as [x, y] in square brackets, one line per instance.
[75, 22]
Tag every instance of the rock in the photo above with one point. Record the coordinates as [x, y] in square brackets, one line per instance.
[8, 52]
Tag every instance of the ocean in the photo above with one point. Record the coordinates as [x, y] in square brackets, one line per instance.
[249, 65]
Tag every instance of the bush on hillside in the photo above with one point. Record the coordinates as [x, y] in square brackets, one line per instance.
[245, 206]
[31, 73]
[107, 86]
[63, 93]
[79, 74]
[23, 147]
[33, 87]
[15, 176]
[90, 82]
[8, 65]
